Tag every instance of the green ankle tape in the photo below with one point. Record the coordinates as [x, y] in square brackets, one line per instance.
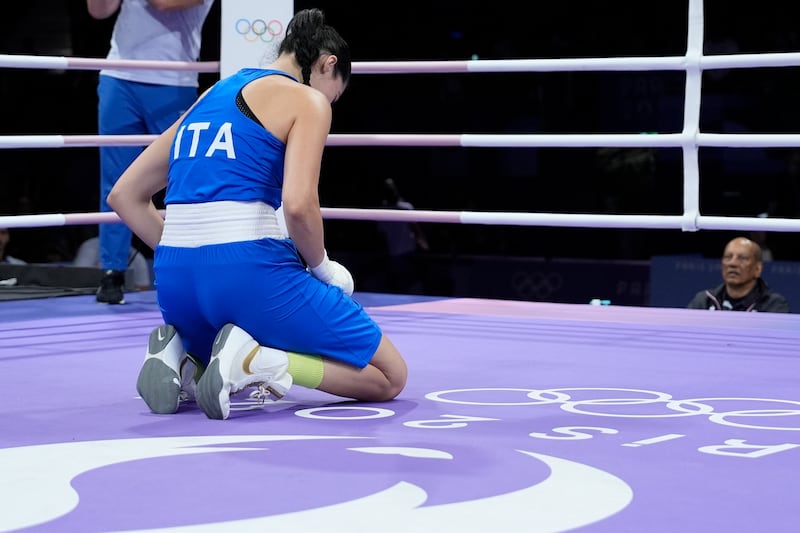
[306, 370]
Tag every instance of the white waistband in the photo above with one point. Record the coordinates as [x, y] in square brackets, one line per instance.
[193, 225]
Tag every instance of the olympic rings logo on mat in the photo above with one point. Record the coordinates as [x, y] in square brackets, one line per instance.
[259, 29]
[739, 412]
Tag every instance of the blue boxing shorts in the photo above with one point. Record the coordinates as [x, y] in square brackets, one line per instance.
[262, 287]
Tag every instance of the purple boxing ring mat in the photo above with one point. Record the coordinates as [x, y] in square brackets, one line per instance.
[517, 417]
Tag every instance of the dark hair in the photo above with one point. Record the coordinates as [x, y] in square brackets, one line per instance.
[308, 37]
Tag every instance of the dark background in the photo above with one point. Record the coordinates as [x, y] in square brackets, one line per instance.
[743, 182]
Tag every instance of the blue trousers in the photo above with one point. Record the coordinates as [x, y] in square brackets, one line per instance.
[130, 108]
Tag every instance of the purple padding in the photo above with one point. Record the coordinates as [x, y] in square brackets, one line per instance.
[517, 417]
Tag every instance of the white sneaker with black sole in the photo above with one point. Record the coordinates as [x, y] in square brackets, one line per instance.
[168, 376]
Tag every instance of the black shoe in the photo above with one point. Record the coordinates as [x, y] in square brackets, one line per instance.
[110, 291]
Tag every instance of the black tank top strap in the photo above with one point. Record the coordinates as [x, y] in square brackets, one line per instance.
[245, 109]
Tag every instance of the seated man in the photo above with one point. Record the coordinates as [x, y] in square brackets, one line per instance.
[743, 289]
[88, 255]
[5, 237]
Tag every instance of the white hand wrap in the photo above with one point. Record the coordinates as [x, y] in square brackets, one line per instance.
[334, 273]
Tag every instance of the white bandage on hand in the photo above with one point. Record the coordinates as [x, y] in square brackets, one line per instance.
[334, 273]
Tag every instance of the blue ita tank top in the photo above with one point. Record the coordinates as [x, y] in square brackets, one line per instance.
[219, 153]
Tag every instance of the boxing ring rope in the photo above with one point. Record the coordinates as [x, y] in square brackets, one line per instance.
[463, 140]
[563, 220]
[86, 63]
[592, 64]
[689, 139]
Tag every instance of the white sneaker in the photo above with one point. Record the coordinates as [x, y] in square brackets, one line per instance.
[168, 375]
[232, 356]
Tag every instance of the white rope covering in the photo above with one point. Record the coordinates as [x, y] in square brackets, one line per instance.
[688, 140]
[87, 63]
[591, 64]
[467, 140]
[571, 220]
[691, 118]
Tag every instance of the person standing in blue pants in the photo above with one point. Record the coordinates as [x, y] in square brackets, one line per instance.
[136, 102]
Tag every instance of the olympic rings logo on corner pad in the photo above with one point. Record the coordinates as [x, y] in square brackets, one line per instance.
[258, 29]
[536, 285]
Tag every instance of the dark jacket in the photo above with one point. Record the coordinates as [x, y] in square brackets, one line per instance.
[761, 298]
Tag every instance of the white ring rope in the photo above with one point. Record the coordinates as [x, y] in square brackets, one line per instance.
[689, 140]
[590, 64]
[571, 220]
[85, 63]
[464, 140]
